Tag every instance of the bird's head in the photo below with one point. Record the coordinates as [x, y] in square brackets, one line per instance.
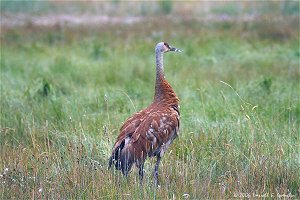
[165, 47]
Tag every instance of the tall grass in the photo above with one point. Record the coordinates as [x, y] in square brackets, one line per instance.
[65, 92]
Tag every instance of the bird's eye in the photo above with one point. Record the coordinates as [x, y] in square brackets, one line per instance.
[167, 45]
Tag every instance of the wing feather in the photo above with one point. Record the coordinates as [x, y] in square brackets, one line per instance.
[147, 133]
[156, 130]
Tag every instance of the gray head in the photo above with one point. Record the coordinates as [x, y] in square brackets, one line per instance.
[165, 47]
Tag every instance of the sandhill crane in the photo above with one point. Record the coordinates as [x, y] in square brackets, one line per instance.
[150, 131]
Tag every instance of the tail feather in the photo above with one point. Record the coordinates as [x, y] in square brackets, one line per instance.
[115, 155]
[126, 161]
[122, 158]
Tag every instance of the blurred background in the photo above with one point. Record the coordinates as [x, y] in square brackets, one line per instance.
[76, 12]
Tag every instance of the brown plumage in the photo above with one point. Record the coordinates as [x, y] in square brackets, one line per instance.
[150, 131]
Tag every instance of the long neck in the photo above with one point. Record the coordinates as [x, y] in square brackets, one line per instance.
[163, 90]
[159, 67]
[159, 72]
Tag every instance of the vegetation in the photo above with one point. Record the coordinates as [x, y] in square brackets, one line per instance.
[65, 91]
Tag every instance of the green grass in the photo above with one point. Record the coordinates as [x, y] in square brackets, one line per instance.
[66, 91]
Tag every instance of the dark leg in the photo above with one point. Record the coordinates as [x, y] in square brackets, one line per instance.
[141, 172]
[156, 170]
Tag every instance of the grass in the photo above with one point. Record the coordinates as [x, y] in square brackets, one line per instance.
[65, 92]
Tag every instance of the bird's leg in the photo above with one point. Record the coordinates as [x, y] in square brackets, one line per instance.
[156, 170]
[141, 172]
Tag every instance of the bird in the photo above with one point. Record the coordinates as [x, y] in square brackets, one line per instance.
[149, 132]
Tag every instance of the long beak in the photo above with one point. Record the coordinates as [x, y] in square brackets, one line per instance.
[175, 49]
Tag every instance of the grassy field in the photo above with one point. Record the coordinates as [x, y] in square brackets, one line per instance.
[65, 91]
